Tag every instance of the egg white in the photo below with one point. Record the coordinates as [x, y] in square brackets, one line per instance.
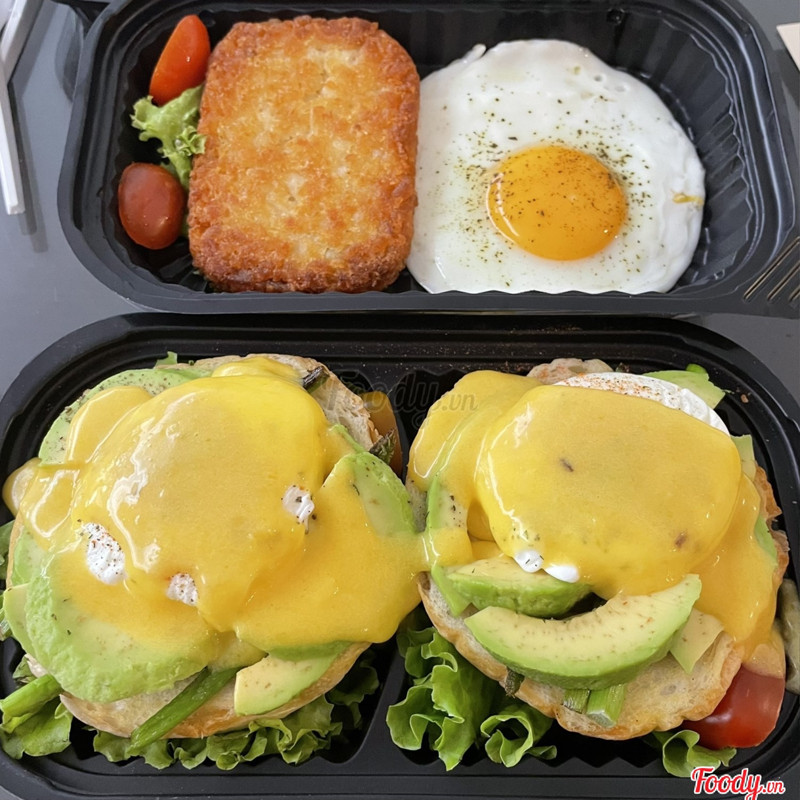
[489, 104]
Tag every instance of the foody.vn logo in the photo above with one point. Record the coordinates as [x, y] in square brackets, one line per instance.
[745, 783]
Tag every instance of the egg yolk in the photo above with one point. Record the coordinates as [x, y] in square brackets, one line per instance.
[556, 202]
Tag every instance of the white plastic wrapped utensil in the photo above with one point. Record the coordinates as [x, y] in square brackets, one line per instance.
[16, 20]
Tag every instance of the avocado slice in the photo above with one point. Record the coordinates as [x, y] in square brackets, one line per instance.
[503, 583]
[603, 647]
[53, 446]
[28, 557]
[235, 653]
[382, 493]
[694, 638]
[98, 645]
[695, 380]
[272, 681]
[444, 510]
[14, 601]
[456, 601]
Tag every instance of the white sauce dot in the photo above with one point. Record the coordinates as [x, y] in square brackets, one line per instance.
[183, 589]
[564, 572]
[298, 503]
[530, 560]
[105, 558]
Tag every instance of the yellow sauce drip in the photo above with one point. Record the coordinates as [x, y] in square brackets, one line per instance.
[738, 579]
[94, 421]
[353, 585]
[17, 484]
[45, 506]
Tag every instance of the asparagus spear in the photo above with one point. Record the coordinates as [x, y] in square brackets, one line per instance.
[576, 700]
[315, 378]
[384, 447]
[604, 705]
[205, 685]
[30, 698]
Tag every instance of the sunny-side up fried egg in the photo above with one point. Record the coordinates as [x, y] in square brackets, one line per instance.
[542, 168]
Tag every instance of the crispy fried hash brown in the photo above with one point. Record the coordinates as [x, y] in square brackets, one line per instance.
[307, 180]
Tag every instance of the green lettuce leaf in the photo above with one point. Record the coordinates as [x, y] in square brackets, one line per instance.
[513, 732]
[681, 753]
[175, 125]
[39, 734]
[5, 538]
[451, 706]
[295, 739]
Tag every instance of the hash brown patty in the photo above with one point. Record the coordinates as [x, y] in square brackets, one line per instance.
[307, 180]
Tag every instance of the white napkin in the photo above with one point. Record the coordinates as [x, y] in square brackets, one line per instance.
[790, 33]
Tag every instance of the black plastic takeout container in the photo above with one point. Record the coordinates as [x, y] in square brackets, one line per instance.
[414, 363]
[707, 60]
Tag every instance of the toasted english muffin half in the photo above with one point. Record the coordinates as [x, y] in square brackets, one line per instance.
[122, 717]
[341, 406]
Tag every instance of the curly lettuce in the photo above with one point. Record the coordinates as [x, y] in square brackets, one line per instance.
[681, 753]
[451, 706]
[175, 125]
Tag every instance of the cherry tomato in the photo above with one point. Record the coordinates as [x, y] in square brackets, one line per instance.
[382, 415]
[183, 61]
[151, 205]
[746, 715]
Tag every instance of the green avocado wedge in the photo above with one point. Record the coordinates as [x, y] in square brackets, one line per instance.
[14, 600]
[456, 601]
[382, 493]
[28, 557]
[444, 510]
[694, 638]
[53, 446]
[503, 583]
[607, 646]
[272, 681]
[98, 659]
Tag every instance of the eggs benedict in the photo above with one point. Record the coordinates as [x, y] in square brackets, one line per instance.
[200, 546]
[610, 517]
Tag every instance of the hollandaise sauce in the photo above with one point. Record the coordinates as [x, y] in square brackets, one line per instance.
[229, 503]
[619, 491]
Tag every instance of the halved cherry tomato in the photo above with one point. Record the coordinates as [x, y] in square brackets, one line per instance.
[382, 415]
[746, 715]
[183, 61]
[151, 205]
